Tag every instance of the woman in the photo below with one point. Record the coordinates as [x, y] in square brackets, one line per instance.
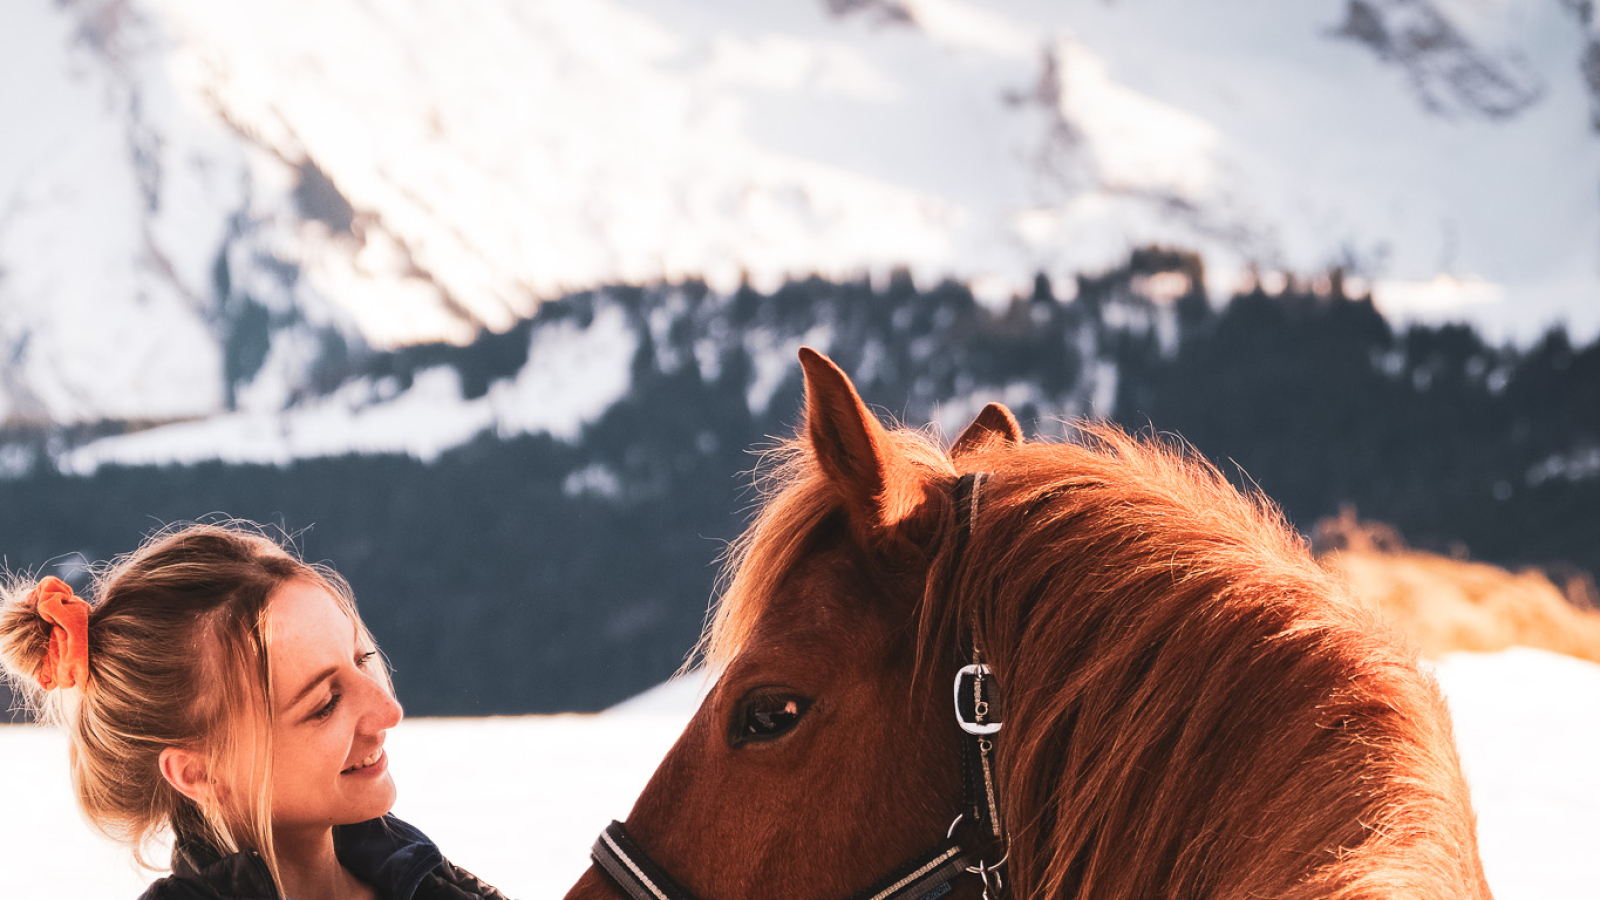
[224, 690]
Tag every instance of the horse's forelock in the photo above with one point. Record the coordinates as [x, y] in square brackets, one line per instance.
[794, 499]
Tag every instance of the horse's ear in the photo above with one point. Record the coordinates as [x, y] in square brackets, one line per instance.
[881, 491]
[994, 428]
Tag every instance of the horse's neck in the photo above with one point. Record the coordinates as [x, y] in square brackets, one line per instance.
[1182, 751]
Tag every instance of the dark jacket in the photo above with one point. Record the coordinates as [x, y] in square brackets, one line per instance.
[396, 859]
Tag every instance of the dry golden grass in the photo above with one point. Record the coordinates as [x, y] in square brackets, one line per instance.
[1448, 604]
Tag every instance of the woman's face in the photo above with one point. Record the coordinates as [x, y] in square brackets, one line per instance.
[331, 710]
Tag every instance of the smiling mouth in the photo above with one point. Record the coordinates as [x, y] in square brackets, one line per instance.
[369, 762]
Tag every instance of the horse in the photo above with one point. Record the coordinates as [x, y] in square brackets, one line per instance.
[1072, 669]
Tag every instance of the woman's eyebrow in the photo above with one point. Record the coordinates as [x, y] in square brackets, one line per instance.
[311, 685]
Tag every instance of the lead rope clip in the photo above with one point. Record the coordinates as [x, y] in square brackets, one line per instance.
[984, 871]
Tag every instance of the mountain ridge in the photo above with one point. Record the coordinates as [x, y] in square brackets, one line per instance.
[380, 176]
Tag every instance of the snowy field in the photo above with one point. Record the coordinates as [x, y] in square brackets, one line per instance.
[519, 800]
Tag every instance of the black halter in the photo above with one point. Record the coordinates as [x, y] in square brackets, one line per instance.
[925, 877]
[632, 870]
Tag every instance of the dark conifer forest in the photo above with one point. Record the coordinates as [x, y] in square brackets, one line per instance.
[530, 574]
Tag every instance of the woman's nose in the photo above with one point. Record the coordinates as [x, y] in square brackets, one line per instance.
[383, 710]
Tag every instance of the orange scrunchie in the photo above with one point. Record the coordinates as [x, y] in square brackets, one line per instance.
[66, 663]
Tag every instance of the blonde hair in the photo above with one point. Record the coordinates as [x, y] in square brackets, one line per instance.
[177, 658]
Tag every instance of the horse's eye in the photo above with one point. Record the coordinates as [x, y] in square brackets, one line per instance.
[767, 715]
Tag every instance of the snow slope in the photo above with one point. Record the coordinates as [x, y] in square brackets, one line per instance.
[135, 224]
[102, 267]
[523, 810]
[572, 376]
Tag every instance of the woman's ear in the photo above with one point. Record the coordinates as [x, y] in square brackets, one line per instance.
[189, 773]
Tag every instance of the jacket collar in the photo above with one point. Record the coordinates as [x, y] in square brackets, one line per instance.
[387, 853]
[236, 876]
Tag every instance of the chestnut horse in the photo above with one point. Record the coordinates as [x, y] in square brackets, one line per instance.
[1191, 707]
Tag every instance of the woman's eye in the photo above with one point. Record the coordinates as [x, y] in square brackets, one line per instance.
[327, 709]
[365, 657]
[764, 717]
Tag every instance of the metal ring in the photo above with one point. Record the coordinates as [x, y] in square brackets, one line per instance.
[983, 871]
[985, 867]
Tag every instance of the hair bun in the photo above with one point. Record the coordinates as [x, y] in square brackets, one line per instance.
[24, 639]
[44, 637]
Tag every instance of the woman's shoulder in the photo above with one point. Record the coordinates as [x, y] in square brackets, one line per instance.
[200, 873]
[448, 881]
[173, 888]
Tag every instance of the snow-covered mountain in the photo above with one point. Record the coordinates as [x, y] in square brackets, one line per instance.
[203, 205]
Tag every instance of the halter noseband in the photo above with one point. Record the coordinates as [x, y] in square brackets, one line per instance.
[925, 877]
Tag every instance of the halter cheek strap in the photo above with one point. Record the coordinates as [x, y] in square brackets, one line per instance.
[973, 699]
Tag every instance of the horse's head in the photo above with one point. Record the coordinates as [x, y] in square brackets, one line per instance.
[1192, 706]
[826, 756]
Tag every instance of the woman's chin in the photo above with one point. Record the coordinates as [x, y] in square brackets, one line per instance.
[389, 794]
[375, 801]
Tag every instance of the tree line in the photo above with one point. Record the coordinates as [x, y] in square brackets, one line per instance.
[529, 574]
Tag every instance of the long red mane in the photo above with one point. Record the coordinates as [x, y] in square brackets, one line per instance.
[1193, 706]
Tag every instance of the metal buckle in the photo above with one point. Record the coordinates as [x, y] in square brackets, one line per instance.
[977, 670]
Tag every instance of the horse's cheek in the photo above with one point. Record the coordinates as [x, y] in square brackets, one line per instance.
[592, 886]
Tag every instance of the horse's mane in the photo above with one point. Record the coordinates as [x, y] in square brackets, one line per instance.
[1193, 706]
